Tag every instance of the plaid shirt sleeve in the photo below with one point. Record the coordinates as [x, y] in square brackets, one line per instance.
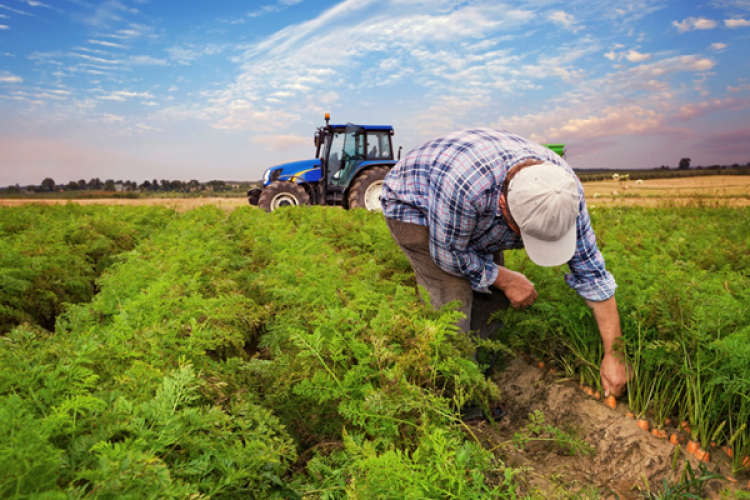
[457, 196]
[588, 276]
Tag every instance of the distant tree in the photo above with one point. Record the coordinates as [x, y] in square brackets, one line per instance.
[14, 189]
[95, 184]
[193, 185]
[48, 185]
[684, 164]
[109, 185]
[82, 184]
[216, 185]
[71, 186]
[146, 186]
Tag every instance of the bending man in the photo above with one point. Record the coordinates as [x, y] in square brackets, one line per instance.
[455, 203]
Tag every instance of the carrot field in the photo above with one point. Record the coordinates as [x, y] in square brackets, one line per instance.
[201, 352]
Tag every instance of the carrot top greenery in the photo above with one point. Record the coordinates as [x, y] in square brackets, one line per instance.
[203, 354]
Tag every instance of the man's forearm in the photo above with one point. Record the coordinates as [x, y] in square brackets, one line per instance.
[608, 320]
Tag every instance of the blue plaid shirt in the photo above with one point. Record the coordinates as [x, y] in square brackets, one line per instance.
[452, 185]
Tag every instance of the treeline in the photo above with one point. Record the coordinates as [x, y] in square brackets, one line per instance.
[49, 185]
[660, 173]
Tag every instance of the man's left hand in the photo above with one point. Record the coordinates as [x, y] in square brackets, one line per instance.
[614, 373]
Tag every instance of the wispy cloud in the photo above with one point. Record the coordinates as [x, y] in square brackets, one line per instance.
[186, 54]
[133, 31]
[736, 23]
[709, 107]
[636, 57]
[124, 95]
[146, 60]
[694, 23]
[108, 44]
[16, 11]
[4, 27]
[6, 77]
[566, 20]
[718, 46]
[34, 3]
[108, 12]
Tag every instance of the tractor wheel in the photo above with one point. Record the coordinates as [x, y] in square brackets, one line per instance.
[366, 189]
[282, 193]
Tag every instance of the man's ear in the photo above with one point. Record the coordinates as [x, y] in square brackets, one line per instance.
[503, 205]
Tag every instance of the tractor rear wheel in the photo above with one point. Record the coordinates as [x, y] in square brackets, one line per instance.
[366, 189]
[281, 194]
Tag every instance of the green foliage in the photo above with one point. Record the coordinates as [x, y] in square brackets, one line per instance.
[683, 295]
[223, 346]
[287, 355]
[51, 256]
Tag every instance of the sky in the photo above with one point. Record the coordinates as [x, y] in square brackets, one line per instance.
[223, 89]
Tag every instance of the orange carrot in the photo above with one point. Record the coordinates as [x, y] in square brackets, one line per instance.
[692, 447]
[702, 455]
[541, 365]
[668, 421]
[553, 370]
[746, 461]
[727, 450]
[663, 434]
[713, 444]
[630, 414]
[589, 391]
[685, 426]
[611, 401]
[597, 395]
[731, 479]
[643, 424]
[655, 432]
[673, 439]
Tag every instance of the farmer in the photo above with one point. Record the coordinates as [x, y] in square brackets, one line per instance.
[455, 203]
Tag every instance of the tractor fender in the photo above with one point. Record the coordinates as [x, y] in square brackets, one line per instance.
[366, 165]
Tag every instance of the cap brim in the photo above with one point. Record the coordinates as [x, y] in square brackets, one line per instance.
[551, 253]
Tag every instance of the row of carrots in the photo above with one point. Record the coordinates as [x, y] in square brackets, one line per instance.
[693, 447]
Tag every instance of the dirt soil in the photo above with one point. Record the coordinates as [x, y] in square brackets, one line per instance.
[624, 455]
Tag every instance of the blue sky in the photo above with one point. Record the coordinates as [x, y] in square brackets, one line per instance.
[138, 89]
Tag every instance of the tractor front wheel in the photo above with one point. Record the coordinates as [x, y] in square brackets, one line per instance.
[366, 189]
[282, 193]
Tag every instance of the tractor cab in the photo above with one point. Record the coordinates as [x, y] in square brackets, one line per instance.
[348, 169]
[345, 150]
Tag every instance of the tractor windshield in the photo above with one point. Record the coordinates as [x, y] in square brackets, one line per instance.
[354, 152]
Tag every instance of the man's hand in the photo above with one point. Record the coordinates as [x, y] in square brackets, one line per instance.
[614, 373]
[613, 370]
[519, 290]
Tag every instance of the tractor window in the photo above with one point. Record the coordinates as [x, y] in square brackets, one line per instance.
[379, 145]
[354, 152]
[334, 158]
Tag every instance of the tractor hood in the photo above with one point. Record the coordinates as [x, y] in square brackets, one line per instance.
[288, 170]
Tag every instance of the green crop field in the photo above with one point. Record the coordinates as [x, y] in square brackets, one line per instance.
[149, 352]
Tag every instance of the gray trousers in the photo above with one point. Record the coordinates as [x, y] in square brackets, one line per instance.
[443, 287]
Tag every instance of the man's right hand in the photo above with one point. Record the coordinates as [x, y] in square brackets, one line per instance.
[519, 290]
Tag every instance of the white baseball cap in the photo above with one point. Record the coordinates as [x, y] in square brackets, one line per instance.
[543, 200]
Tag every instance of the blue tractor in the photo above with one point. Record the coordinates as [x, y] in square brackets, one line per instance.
[350, 164]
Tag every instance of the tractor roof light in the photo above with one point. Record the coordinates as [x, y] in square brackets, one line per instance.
[328, 118]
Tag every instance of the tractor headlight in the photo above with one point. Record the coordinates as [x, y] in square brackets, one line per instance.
[266, 176]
